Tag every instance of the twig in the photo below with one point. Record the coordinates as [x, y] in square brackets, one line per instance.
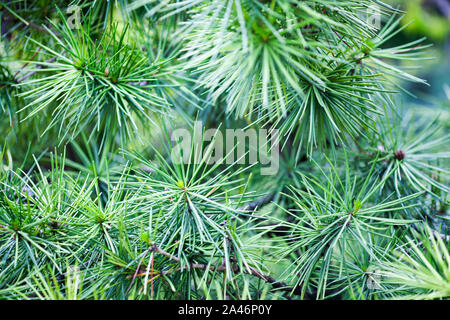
[251, 271]
[39, 28]
[258, 203]
[9, 17]
[33, 72]
[27, 63]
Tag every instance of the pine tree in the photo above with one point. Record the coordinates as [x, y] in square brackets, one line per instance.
[97, 202]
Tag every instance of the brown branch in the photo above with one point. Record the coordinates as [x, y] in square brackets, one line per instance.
[40, 28]
[27, 63]
[9, 17]
[33, 72]
[251, 271]
[258, 203]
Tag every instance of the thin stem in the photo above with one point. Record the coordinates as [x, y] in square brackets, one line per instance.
[251, 271]
[33, 72]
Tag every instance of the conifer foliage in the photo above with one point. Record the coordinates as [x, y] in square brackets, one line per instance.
[97, 202]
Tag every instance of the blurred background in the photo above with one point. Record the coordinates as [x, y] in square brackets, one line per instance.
[430, 19]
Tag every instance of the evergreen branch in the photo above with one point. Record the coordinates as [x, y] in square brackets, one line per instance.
[38, 67]
[257, 204]
[251, 271]
[358, 208]
[14, 17]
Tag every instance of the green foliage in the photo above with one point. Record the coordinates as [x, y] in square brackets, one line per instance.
[427, 19]
[421, 271]
[101, 83]
[333, 218]
[97, 202]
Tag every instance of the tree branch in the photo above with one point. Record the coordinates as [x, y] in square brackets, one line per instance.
[258, 203]
[251, 271]
[9, 17]
[40, 66]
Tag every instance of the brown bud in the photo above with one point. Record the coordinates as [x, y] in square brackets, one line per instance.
[400, 155]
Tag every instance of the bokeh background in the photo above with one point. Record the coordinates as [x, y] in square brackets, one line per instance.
[430, 19]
